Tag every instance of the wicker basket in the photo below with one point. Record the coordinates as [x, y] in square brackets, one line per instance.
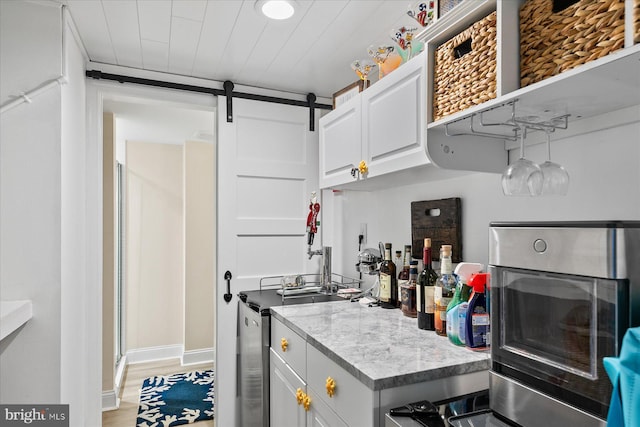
[551, 43]
[636, 21]
[463, 81]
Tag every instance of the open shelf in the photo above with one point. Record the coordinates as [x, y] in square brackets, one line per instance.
[595, 90]
[14, 314]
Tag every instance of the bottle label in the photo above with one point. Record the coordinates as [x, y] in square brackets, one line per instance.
[385, 287]
[441, 308]
[480, 319]
[446, 267]
[480, 333]
[429, 304]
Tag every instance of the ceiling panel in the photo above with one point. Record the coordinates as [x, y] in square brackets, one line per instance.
[229, 40]
[189, 9]
[244, 36]
[219, 20]
[155, 20]
[155, 55]
[273, 40]
[122, 20]
[185, 35]
[91, 23]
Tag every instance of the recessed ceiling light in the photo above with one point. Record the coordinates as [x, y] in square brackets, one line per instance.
[276, 9]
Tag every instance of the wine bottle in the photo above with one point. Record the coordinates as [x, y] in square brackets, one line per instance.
[388, 280]
[426, 282]
[444, 290]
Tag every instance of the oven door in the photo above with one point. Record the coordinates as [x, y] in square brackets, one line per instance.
[551, 331]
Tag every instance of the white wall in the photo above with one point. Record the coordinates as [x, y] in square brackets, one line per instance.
[42, 210]
[74, 351]
[604, 168]
[30, 201]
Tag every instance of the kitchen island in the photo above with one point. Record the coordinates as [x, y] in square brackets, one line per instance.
[368, 360]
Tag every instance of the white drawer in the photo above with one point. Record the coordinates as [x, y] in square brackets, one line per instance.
[294, 353]
[352, 401]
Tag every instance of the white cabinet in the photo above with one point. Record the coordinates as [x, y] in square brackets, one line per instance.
[284, 383]
[384, 126]
[393, 120]
[340, 143]
[288, 383]
[320, 414]
[351, 400]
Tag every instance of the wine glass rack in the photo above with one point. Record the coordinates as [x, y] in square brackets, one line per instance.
[494, 118]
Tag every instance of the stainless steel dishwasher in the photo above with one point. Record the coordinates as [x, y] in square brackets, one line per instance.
[254, 336]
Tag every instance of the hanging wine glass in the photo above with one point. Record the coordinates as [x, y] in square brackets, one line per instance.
[363, 67]
[556, 177]
[523, 177]
[380, 55]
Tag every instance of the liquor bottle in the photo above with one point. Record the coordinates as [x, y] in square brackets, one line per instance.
[444, 290]
[409, 292]
[404, 273]
[397, 260]
[388, 280]
[426, 283]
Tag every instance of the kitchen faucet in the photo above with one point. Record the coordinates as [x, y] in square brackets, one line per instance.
[325, 271]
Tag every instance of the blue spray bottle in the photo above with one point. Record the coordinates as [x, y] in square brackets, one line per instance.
[478, 336]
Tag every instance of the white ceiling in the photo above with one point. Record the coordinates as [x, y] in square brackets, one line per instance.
[229, 40]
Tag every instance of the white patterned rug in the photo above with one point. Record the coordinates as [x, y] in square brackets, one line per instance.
[176, 399]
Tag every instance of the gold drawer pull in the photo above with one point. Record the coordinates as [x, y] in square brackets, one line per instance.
[303, 399]
[284, 344]
[331, 386]
[306, 402]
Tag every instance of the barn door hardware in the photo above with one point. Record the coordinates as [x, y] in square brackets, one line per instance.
[227, 277]
[228, 92]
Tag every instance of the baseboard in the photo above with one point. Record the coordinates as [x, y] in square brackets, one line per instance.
[194, 357]
[150, 354]
[110, 401]
[120, 373]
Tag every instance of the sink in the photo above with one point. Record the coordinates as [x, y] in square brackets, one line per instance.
[14, 314]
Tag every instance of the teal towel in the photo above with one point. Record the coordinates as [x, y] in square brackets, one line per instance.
[624, 372]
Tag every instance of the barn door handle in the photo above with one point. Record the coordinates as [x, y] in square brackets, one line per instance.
[227, 277]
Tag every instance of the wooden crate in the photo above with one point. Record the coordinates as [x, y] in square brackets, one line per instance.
[555, 41]
[465, 69]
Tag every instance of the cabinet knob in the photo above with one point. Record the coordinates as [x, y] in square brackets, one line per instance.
[363, 168]
[306, 402]
[284, 344]
[331, 386]
[300, 396]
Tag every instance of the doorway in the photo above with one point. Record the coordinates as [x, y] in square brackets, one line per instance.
[174, 124]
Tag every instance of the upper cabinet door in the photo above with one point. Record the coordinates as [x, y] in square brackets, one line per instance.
[340, 143]
[394, 119]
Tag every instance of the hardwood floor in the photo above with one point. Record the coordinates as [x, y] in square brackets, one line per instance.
[134, 375]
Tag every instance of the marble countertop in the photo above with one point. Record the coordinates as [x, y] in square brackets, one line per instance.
[381, 348]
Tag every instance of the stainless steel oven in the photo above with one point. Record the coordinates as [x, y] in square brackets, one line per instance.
[562, 296]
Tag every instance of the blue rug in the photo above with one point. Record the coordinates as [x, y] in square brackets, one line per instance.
[177, 399]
